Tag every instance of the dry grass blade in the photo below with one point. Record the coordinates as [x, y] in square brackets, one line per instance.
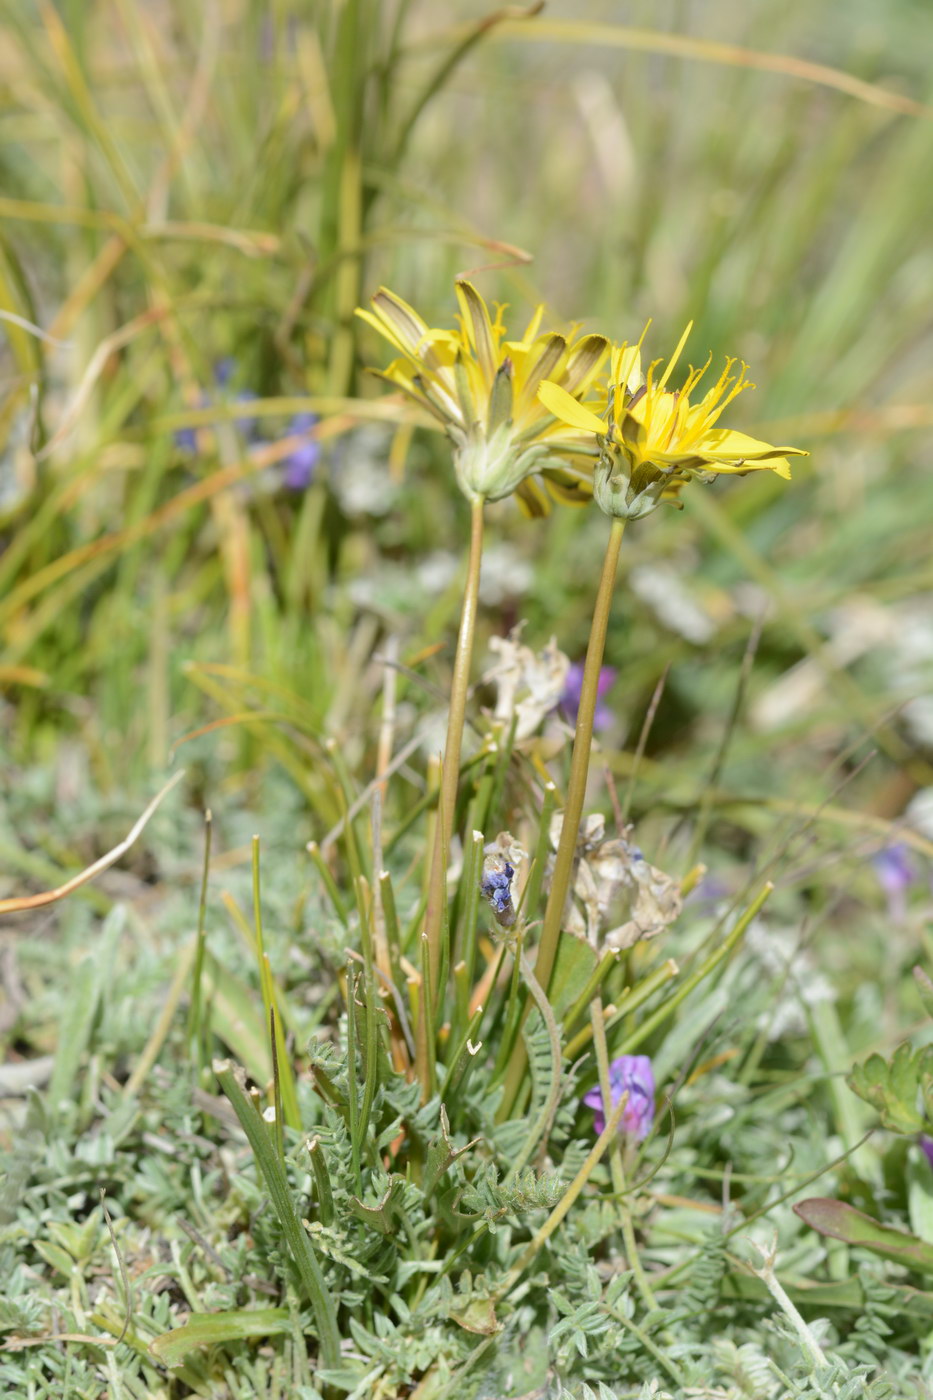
[107, 347]
[712, 51]
[36, 901]
[33, 329]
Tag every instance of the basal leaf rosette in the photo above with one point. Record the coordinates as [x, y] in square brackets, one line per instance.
[482, 388]
[653, 440]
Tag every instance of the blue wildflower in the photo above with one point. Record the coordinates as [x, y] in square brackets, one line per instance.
[301, 463]
[895, 873]
[224, 370]
[186, 439]
[496, 887]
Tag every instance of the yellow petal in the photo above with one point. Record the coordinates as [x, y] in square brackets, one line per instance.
[550, 350]
[403, 319]
[584, 362]
[478, 327]
[676, 356]
[557, 401]
[532, 499]
[780, 465]
[423, 397]
[531, 330]
[626, 367]
[722, 444]
[385, 329]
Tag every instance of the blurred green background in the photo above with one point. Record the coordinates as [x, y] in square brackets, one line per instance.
[195, 198]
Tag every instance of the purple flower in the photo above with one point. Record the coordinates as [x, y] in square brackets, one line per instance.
[186, 438]
[895, 873]
[301, 462]
[927, 1145]
[631, 1073]
[224, 370]
[570, 700]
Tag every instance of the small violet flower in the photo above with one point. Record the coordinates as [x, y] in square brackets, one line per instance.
[573, 686]
[187, 438]
[302, 461]
[298, 467]
[895, 874]
[927, 1147]
[630, 1074]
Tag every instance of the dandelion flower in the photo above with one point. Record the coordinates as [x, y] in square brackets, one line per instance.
[482, 387]
[654, 440]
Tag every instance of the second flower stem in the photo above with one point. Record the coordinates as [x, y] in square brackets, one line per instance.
[447, 800]
[576, 794]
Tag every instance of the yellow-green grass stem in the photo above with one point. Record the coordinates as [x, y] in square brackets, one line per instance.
[283, 1075]
[629, 1002]
[447, 798]
[709, 964]
[544, 1233]
[576, 794]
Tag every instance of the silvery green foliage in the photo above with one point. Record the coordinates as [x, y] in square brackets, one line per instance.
[704, 1284]
[601, 1391]
[419, 1259]
[21, 1311]
[749, 1371]
[492, 1200]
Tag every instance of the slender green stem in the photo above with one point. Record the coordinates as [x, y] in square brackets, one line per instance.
[283, 1077]
[447, 803]
[593, 983]
[770, 1280]
[649, 1345]
[576, 793]
[461, 676]
[197, 1036]
[463, 1058]
[540, 1130]
[371, 1029]
[580, 763]
[629, 1002]
[472, 866]
[329, 883]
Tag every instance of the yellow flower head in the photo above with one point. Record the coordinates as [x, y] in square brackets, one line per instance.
[483, 389]
[653, 440]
